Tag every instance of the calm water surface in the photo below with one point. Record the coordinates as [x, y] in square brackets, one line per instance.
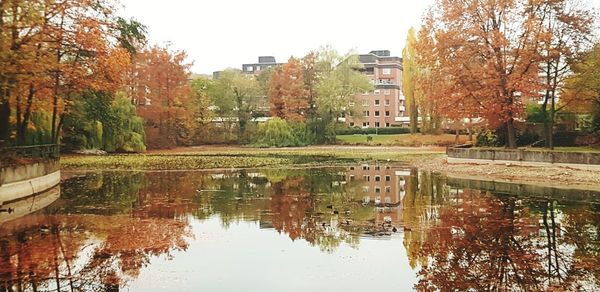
[366, 227]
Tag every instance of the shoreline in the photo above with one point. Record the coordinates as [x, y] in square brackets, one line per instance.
[546, 175]
[424, 158]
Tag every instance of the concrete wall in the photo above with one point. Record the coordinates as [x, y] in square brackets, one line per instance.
[521, 155]
[25, 180]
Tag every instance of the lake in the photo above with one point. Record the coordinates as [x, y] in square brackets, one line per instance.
[353, 228]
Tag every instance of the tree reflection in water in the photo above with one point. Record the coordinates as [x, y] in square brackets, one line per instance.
[482, 241]
[107, 227]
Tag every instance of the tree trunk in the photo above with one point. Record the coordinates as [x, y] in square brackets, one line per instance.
[54, 132]
[551, 123]
[27, 113]
[18, 113]
[511, 136]
[470, 132]
[4, 121]
[456, 136]
[414, 117]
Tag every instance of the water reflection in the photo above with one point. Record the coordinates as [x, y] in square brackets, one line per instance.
[108, 227]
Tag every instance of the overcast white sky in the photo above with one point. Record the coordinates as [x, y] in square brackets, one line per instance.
[226, 33]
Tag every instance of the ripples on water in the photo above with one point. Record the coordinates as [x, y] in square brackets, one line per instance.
[357, 228]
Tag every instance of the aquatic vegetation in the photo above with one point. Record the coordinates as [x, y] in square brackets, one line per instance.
[241, 158]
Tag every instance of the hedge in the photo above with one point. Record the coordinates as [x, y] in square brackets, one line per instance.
[373, 131]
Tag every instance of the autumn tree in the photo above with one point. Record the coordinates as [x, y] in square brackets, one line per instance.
[287, 94]
[488, 54]
[581, 92]
[409, 73]
[427, 81]
[52, 51]
[567, 30]
[162, 77]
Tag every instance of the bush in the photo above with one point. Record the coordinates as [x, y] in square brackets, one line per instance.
[373, 131]
[497, 138]
[99, 120]
[487, 138]
[279, 133]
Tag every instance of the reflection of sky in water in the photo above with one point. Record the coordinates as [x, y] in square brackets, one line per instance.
[246, 258]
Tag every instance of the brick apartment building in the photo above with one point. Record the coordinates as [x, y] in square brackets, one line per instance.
[385, 105]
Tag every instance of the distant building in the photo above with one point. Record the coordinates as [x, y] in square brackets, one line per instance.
[264, 62]
[385, 105]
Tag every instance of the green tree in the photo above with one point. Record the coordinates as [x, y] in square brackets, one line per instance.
[339, 82]
[200, 107]
[99, 120]
[236, 96]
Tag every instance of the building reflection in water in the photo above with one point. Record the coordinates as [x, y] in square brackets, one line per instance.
[106, 227]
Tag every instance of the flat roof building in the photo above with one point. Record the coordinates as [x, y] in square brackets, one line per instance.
[264, 62]
[385, 105]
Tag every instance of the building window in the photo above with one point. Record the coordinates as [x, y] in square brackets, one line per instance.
[388, 178]
[351, 177]
[387, 102]
[377, 125]
[387, 71]
[388, 189]
[377, 92]
[377, 167]
[387, 113]
[377, 103]
[376, 114]
[365, 189]
[377, 178]
[351, 124]
[366, 178]
[365, 93]
[366, 113]
[365, 167]
[365, 124]
[387, 125]
[249, 69]
[365, 102]
[378, 190]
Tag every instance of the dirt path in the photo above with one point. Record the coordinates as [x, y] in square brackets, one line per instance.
[552, 176]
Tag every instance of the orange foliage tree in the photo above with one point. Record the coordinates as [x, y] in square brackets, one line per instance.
[50, 52]
[287, 94]
[160, 90]
[488, 55]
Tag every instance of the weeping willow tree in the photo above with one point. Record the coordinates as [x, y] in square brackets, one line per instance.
[99, 120]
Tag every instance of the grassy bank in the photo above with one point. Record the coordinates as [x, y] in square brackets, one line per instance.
[407, 140]
[238, 157]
